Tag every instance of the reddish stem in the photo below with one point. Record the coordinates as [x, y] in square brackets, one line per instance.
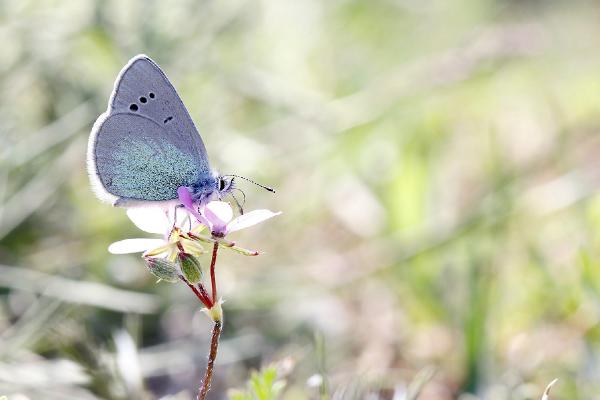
[213, 280]
[205, 294]
[214, 346]
[200, 292]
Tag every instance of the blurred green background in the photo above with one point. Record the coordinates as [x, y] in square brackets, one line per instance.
[436, 162]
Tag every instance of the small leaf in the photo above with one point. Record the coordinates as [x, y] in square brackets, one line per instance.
[262, 385]
[235, 395]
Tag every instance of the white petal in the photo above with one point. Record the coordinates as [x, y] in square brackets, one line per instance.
[249, 219]
[218, 214]
[220, 210]
[134, 245]
[150, 219]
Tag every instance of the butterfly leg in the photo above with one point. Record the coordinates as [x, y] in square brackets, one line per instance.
[240, 208]
[175, 215]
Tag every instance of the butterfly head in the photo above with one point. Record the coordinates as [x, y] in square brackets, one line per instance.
[224, 185]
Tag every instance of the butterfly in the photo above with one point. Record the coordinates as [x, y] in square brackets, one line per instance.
[146, 146]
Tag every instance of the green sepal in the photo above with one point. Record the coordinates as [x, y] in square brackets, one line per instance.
[190, 267]
[243, 251]
[163, 269]
[224, 243]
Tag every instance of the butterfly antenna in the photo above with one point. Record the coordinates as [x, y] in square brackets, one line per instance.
[251, 181]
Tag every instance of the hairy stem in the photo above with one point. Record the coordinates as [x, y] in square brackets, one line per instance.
[214, 346]
[205, 294]
[200, 294]
[213, 280]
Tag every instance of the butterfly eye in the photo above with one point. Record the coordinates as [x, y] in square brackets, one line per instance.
[221, 184]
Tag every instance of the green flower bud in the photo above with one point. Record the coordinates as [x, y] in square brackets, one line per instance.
[162, 269]
[190, 267]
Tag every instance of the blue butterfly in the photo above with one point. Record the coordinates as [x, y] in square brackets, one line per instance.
[145, 146]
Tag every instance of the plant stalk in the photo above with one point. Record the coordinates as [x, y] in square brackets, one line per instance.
[213, 280]
[214, 346]
[200, 292]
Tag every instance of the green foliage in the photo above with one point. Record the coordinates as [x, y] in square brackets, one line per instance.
[262, 385]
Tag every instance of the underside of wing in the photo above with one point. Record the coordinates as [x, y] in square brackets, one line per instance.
[143, 88]
[132, 159]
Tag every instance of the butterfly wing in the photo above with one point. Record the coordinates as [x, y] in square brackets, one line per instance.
[134, 162]
[145, 145]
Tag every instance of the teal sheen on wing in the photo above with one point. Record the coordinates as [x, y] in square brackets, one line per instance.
[138, 160]
[142, 172]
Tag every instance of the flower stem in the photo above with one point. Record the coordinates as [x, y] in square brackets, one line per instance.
[200, 292]
[213, 280]
[205, 294]
[214, 345]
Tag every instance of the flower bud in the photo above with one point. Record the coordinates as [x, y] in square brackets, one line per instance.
[162, 269]
[190, 267]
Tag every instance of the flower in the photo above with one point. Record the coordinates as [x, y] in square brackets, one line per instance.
[217, 215]
[183, 235]
[159, 221]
